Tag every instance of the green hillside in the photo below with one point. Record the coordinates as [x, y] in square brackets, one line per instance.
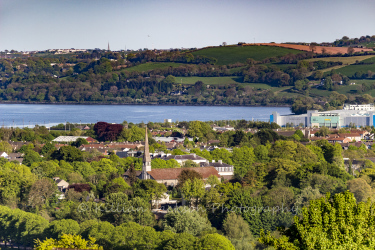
[153, 65]
[232, 54]
[350, 70]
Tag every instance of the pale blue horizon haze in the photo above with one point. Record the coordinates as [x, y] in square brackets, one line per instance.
[27, 25]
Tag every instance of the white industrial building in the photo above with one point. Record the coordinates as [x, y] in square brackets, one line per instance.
[351, 115]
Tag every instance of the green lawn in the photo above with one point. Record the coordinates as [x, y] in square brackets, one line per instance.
[371, 59]
[345, 89]
[209, 80]
[153, 65]
[258, 86]
[352, 69]
[232, 54]
[345, 60]
[227, 80]
[369, 45]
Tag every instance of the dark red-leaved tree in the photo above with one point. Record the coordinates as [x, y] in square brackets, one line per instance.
[79, 187]
[106, 131]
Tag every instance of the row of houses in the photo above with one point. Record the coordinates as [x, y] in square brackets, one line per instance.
[335, 136]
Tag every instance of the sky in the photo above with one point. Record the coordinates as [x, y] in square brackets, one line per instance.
[27, 25]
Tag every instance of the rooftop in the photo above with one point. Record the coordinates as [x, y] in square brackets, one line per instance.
[173, 173]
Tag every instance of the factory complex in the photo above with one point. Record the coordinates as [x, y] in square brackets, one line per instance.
[352, 115]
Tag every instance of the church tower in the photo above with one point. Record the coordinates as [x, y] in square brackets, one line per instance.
[146, 159]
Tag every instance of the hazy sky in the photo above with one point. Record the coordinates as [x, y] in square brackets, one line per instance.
[48, 24]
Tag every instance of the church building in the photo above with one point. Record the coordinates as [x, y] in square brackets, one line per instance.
[168, 176]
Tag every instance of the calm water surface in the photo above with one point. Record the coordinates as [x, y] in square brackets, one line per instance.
[44, 114]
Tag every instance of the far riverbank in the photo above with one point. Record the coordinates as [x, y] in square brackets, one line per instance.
[151, 104]
[47, 114]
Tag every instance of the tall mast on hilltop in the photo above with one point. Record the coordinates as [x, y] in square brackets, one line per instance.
[146, 159]
[108, 47]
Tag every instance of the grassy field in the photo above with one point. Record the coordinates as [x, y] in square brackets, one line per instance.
[209, 80]
[257, 85]
[233, 54]
[369, 45]
[226, 80]
[345, 89]
[344, 60]
[352, 69]
[284, 91]
[152, 65]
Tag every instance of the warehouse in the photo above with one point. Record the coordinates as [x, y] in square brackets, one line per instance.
[349, 116]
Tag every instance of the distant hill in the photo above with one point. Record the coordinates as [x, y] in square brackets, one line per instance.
[233, 54]
[317, 49]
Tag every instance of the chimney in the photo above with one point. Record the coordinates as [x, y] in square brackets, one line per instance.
[220, 161]
[213, 161]
[194, 155]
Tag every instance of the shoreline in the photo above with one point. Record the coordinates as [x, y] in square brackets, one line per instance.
[145, 104]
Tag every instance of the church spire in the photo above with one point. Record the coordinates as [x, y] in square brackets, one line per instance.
[146, 159]
[146, 155]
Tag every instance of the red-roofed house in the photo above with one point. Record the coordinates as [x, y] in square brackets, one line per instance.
[169, 176]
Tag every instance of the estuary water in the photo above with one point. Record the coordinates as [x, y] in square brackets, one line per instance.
[28, 115]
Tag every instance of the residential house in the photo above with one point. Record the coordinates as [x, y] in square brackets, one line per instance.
[122, 154]
[225, 171]
[69, 139]
[183, 158]
[3, 155]
[16, 157]
[338, 139]
[351, 136]
[345, 146]
[61, 184]
[362, 133]
[356, 165]
[169, 176]
[170, 139]
[223, 129]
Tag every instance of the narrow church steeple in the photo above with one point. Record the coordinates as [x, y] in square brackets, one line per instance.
[146, 159]
[146, 156]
